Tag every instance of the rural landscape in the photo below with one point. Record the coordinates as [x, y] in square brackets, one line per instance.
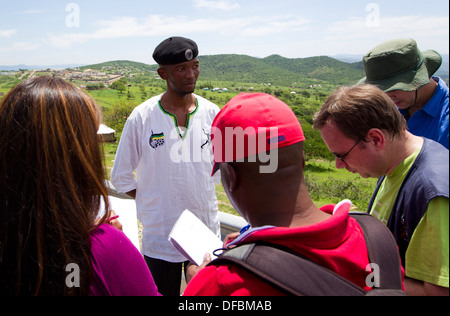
[304, 84]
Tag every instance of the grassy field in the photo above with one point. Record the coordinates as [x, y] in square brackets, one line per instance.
[329, 185]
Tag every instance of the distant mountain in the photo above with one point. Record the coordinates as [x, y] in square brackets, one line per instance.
[443, 72]
[274, 69]
[121, 64]
[445, 69]
[242, 68]
[323, 68]
[348, 58]
[279, 70]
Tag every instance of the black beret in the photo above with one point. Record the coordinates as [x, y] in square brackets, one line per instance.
[175, 50]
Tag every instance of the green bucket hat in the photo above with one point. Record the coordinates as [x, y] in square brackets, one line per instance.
[400, 65]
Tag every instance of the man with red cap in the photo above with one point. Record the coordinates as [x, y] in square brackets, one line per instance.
[258, 147]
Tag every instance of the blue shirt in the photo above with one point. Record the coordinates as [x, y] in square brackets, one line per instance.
[432, 120]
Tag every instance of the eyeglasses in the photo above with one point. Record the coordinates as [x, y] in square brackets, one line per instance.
[341, 158]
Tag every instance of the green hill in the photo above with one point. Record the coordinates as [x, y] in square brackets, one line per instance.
[274, 69]
[242, 68]
[120, 64]
[321, 68]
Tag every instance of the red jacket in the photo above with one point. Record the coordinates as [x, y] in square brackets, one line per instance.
[336, 243]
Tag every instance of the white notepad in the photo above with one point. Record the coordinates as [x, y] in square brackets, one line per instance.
[126, 209]
[193, 239]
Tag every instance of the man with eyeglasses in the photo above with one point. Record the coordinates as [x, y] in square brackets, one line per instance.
[341, 158]
[362, 127]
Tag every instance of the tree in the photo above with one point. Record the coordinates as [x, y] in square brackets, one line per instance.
[130, 96]
[117, 117]
[144, 95]
[119, 86]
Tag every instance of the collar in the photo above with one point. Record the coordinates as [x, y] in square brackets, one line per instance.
[339, 212]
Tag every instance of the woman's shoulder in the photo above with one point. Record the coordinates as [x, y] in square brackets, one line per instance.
[112, 256]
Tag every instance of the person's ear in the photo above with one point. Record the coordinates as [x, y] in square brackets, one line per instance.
[377, 137]
[162, 73]
[229, 176]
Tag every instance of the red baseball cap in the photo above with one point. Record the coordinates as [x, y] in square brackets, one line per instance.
[250, 124]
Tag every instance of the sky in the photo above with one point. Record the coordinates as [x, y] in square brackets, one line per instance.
[55, 32]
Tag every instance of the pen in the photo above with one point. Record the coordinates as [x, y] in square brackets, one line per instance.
[243, 230]
[112, 218]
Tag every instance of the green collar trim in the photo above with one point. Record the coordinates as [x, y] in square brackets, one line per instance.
[175, 120]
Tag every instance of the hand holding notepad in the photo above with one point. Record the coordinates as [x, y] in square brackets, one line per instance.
[193, 239]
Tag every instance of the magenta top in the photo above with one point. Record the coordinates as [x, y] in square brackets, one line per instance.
[119, 268]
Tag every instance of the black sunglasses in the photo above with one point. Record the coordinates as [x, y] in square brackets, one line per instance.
[341, 158]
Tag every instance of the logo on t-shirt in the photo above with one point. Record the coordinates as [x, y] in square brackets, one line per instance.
[207, 141]
[157, 140]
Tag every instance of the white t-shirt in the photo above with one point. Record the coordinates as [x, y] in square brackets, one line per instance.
[173, 171]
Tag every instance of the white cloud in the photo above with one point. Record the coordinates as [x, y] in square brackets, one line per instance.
[31, 11]
[7, 33]
[352, 35]
[18, 47]
[264, 26]
[153, 25]
[159, 25]
[225, 5]
[355, 36]
[425, 30]
[391, 25]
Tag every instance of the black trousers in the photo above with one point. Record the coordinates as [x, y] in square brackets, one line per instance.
[167, 275]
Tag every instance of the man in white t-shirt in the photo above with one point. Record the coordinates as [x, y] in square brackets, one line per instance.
[166, 140]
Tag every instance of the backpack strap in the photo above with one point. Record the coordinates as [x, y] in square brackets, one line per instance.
[382, 249]
[270, 264]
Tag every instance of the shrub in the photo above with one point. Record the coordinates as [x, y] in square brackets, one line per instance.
[335, 190]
